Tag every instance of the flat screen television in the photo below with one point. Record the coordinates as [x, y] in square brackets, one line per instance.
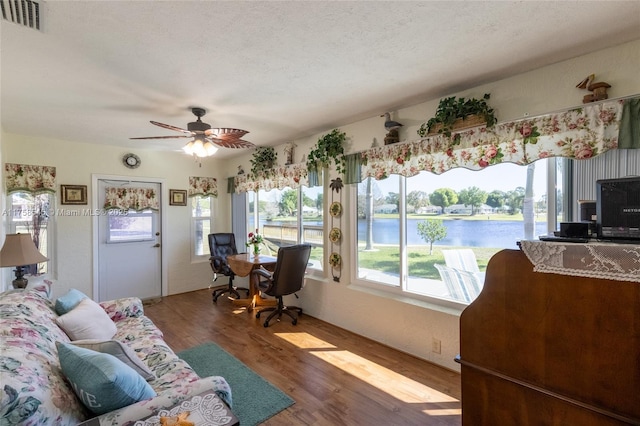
[618, 208]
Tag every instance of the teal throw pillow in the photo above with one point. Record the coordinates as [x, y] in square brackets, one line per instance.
[69, 301]
[101, 381]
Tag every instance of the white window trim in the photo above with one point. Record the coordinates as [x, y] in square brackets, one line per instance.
[204, 257]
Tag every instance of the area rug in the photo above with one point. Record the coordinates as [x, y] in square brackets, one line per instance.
[254, 399]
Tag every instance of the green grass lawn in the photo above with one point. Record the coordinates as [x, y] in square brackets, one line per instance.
[387, 259]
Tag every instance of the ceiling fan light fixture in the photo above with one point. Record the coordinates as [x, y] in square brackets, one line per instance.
[200, 148]
[188, 148]
[210, 148]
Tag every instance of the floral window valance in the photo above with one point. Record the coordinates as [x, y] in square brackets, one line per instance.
[137, 199]
[291, 176]
[28, 178]
[203, 186]
[578, 133]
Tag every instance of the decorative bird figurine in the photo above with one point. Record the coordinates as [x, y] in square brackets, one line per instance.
[599, 89]
[389, 124]
[392, 129]
[585, 83]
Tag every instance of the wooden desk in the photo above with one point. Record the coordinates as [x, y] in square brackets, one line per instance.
[550, 349]
[242, 264]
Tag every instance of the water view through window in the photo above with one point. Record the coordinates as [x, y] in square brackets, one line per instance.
[405, 224]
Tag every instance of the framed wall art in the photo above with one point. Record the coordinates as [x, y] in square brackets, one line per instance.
[177, 197]
[73, 194]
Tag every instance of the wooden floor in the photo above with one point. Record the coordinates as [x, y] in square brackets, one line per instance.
[336, 377]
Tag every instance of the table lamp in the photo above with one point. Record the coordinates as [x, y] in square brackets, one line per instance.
[19, 250]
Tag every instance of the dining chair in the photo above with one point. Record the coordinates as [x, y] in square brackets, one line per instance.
[287, 278]
[221, 245]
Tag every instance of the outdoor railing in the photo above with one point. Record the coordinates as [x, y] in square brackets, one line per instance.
[288, 234]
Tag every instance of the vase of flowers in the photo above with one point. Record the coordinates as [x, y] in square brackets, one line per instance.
[255, 240]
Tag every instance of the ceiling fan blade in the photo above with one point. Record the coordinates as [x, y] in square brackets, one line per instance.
[225, 133]
[170, 127]
[163, 137]
[231, 143]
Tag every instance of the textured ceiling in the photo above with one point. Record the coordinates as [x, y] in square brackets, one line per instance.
[98, 71]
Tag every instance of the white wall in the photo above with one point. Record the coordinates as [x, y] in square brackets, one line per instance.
[4, 272]
[407, 326]
[75, 163]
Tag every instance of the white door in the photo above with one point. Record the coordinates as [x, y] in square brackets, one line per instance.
[129, 250]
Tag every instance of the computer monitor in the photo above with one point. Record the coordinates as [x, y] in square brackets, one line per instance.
[618, 208]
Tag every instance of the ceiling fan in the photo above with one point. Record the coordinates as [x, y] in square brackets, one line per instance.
[205, 138]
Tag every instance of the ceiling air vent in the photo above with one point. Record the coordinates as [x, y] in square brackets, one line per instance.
[21, 12]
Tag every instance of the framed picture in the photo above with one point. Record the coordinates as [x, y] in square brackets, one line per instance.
[74, 194]
[177, 197]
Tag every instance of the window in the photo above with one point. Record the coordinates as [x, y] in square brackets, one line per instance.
[405, 223]
[201, 220]
[288, 216]
[312, 203]
[34, 215]
[130, 226]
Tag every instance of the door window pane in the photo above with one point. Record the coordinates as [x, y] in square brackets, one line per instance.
[132, 226]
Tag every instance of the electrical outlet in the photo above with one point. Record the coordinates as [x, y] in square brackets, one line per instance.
[436, 346]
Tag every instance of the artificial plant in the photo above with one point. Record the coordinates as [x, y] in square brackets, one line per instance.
[329, 149]
[450, 109]
[264, 158]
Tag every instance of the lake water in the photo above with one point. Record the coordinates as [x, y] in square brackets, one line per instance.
[468, 233]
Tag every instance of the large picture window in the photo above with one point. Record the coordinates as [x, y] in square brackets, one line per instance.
[288, 216]
[407, 226]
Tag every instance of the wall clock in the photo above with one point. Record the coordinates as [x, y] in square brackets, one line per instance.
[131, 160]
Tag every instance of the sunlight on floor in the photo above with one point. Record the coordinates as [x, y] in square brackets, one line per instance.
[305, 341]
[401, 387]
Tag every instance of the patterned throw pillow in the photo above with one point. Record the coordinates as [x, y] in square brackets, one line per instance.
[101, 381]
[87, 321]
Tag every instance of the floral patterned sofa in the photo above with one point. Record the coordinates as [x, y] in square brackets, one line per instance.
[33, 388]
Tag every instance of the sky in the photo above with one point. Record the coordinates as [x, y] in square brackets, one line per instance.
[503, 177]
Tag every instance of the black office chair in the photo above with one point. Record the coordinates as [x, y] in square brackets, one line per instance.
[222, 245]
[287, 278]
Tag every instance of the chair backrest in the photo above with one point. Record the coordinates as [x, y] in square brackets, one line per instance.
[462, 285]
[463, 259]
[291, 264]
[222, 245]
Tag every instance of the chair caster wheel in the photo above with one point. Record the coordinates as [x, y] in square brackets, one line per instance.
[266, 324]
[258, 315]
[294, 322]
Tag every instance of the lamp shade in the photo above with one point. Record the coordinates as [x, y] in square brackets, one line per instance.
[19, 250]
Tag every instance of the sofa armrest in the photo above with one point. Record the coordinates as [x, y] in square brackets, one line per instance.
[128, 307]
[165, 400]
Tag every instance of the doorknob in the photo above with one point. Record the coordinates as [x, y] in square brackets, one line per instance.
[156, 245]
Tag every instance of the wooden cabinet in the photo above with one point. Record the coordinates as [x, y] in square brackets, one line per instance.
[550, 349]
